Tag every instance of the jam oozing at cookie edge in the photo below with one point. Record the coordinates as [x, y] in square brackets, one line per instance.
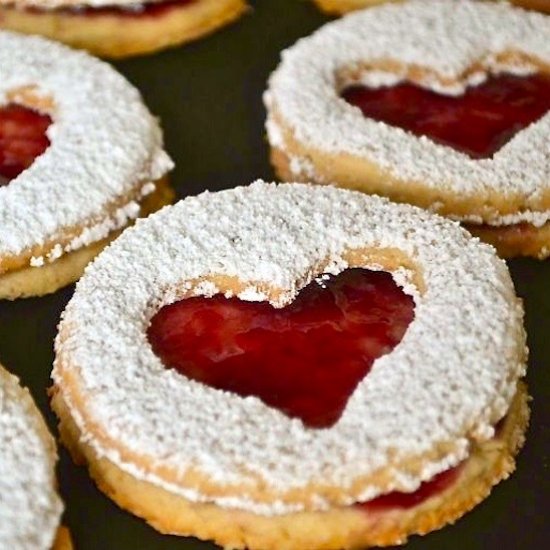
[305, 359]
[428, 489]
[22, 139]
[143, 10]
[478, 122]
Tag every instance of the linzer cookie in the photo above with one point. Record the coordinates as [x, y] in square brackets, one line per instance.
[30, 508]
[437, 103]
[119, 28]
[294, 366]
[80, 158]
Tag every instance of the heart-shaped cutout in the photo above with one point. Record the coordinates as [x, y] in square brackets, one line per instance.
[305, 359]
[478, 122]
[22, 139]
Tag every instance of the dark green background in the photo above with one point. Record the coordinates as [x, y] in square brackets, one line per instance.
[208, 96]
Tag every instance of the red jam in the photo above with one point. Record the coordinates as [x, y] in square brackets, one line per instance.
[305, 359]
[478, 122]
[22, 139]
[404, 501]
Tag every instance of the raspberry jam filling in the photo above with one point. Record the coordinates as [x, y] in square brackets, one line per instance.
[478, 122]
[403, 501]
[427, 489]
[305, 359]
[22, 139]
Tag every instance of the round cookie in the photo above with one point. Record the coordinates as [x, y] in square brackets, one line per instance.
[80, 158]
[30, 508]
[119, 28]
[436, 103]
[227, 458]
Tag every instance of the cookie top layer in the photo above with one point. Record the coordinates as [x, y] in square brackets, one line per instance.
[105, 150]
[455, 370]
[442, 45]
[30, 509]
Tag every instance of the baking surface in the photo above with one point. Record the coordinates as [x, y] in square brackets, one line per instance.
[208, 96]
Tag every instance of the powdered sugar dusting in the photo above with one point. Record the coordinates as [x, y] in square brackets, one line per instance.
[30, 509]
[455, 370]
[105, 145]
[445, 37]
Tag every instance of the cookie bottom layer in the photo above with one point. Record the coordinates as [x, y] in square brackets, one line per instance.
[338, 528]
[39, 281]
[337, 7]
[63, 540]
[515, 240]
[116, 36]
[539, 5]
